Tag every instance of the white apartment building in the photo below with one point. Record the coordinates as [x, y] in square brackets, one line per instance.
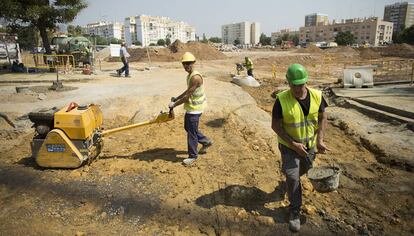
[245, 32]
[105, 29]
[130, 30]
[371, 30]
[278, 35]
[149, 29]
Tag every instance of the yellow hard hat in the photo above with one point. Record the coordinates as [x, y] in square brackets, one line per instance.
[188, 57]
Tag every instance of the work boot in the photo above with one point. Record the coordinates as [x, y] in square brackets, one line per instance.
[203, 149]
[127, 76]
[294, 221]
[189, 161]
[118, 72]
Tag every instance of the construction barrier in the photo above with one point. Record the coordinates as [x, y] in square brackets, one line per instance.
[60, 62]
[389, 70]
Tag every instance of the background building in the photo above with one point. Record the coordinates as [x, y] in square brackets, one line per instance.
[105, 29]
[400, 14]
[149, 29]
[245, 32]
[275, 36]
[371, 30]
[316, 19]
[130, 30]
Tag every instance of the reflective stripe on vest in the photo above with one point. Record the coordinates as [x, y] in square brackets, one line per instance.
[300, 128]
[198, 99]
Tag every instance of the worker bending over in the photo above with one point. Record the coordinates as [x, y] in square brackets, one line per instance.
[249, 66]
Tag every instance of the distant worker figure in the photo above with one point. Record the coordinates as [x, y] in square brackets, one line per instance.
[249, 66]
[194, 100]
[123, 53]
[299, 120]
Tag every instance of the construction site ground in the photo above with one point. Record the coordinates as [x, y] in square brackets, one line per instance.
[138, 185]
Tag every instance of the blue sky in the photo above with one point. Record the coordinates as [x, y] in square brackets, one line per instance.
[207, 16]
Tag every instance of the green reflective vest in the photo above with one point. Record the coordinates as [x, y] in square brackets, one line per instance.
[197, 100]
[300, 128]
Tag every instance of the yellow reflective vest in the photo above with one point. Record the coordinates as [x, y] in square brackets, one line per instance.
[300, 128]
[249, 64]
[197, 100]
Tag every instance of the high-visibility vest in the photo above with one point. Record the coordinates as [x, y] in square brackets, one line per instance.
[249, 64]
[300, 128]
[197, 100]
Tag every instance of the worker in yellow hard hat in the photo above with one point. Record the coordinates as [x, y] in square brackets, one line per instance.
[194, 100]
[299, 120]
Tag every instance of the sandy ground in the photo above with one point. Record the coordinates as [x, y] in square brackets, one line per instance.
[139, 186]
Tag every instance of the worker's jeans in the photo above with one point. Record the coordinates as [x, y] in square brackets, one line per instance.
[125, 67]
[294, 166]
[194, 136]
[250, 72]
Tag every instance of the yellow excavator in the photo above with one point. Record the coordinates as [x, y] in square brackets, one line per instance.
[73, 135]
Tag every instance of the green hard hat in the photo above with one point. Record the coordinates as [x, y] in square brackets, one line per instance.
[297, 74]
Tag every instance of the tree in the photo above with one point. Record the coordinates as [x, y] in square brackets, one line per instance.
[116, 41]
[137, 43]
[285, 37]
[74, 30]
[161, 42]
[345, 38]
[215, 40]
[99, 40]
[237, 42]
[44, 15]
[294, 38]
[407, 35]
[264, 40]
[167, 41]
[152, 44]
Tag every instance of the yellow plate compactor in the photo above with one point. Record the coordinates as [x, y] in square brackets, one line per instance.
[73, 135]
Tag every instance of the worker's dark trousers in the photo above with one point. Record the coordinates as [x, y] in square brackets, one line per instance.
[250, 72]
[194, 136]
[125, 67]
[293, 166]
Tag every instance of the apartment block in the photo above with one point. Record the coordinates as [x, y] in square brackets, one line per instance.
[371, 30]
[149, 29]
[278, 35]
[105, 29]
[400, 14]
[247, 33]
[316, 19]
[130, 30]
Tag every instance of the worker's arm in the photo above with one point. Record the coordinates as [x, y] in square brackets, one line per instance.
[195, 82]
[297, 147]
[322, 123]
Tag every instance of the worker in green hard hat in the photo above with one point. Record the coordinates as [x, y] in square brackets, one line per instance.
[299, 120]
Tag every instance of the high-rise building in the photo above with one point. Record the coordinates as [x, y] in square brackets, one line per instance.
[149, 29]
[368, 30]
[316, 19]
[105, 29]
[400, 14]
[244, 33]
[130, 30]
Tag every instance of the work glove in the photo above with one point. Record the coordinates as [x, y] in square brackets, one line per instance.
[171, 105]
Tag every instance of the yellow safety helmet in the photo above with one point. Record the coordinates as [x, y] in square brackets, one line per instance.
[188, 57]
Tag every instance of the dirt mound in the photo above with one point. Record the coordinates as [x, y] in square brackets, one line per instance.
[175, 51]
[341, 49]
[310, 49]
[397, 50]
[368, 53]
